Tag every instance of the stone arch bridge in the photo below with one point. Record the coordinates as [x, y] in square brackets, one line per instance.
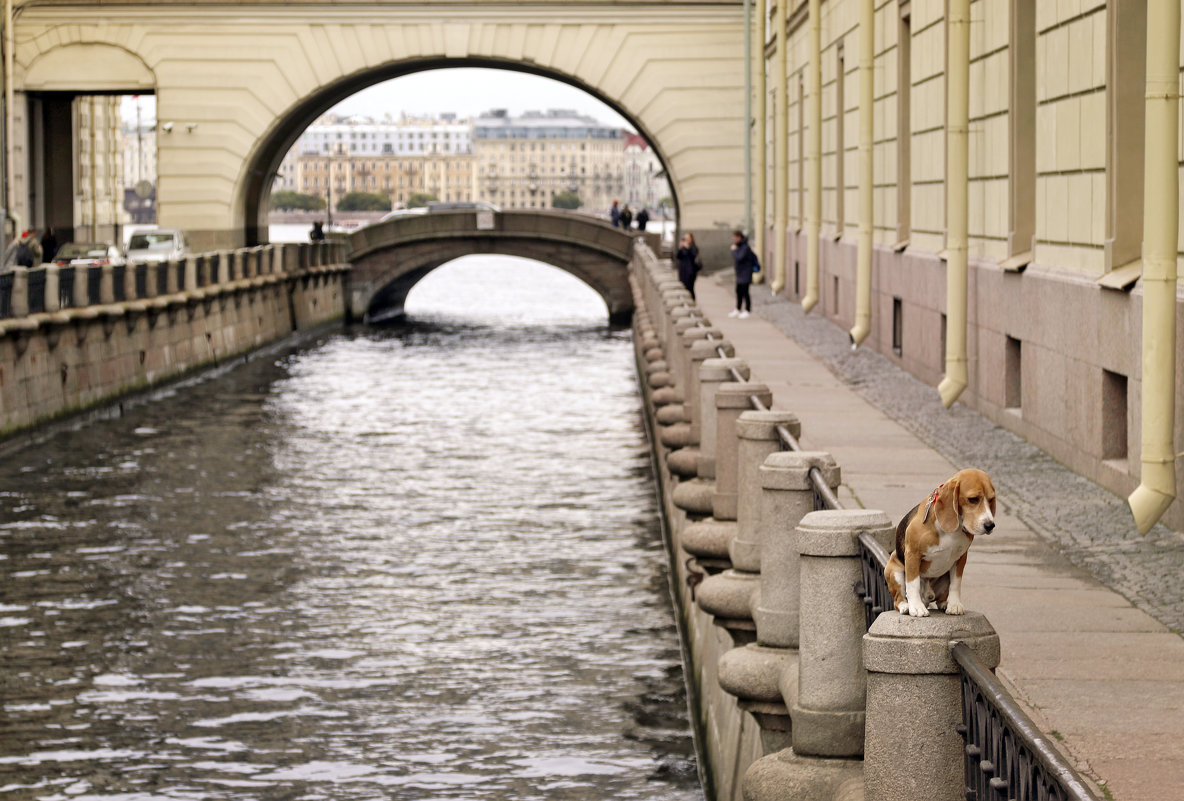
[391, 257]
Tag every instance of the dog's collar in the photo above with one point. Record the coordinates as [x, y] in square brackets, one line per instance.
[932, 500]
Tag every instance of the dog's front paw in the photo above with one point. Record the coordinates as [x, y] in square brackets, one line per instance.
[903, 607]
[955, 608]
[918, 611]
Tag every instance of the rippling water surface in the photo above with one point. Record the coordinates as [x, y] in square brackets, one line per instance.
[411, 564]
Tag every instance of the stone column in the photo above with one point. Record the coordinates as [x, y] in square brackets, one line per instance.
[751, 673]
[757, 439]
[81, 286]
[696, 497]
[914, 703]
[713, 373]
[53, 287]
[223, 275]
[129, 282]
[828, 710]
[106, 284]
[707, 540]
[684, 462]
[19, 300]
[731, 400]
[787, 497]
[191, 278]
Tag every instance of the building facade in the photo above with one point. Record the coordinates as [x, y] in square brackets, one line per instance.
[524, 161]
[1054, 199]
[98, 165]
[399, 159]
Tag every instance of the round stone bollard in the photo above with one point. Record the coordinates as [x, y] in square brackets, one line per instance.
[696, 496]
[699, 352]
[828, 711]
[53, 287]
[732, 398]
[757, 438]
[914, 704]
[107, 284]
[787, 496]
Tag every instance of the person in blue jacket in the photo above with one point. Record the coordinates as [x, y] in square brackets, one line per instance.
[746, 265]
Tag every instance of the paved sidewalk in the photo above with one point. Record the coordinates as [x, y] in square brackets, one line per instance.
[1099, 674]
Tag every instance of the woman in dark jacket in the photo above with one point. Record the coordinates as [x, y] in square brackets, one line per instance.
[687, 257]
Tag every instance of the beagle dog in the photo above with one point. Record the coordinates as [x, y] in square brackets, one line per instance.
[931, 545]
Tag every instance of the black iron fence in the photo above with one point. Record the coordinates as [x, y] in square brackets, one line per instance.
[1008, 758]
[872, 588]
[5, 295]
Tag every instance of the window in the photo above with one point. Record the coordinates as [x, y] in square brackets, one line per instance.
[840, 146]
[1021, 130]
[1114, 415]
[904, 180]
[897, 326]
[1013, 374]
[801, 154]
[1126, 67]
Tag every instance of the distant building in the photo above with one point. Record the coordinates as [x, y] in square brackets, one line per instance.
[98, 202]
[396, 158]
[403, 137]
[523, 162]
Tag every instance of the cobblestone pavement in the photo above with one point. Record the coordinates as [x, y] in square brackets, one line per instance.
[1090, 525]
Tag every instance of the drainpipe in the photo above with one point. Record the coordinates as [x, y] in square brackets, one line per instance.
[781, 145]
[814, 156]
[1160, 228]
[762, 161]
[9, 118]
[957, 139]
[748, 117]
[867, 98]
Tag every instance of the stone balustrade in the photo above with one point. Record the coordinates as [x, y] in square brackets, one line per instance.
[52, 288]
[796, 697]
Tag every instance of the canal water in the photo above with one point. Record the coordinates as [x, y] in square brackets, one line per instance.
[416, 563]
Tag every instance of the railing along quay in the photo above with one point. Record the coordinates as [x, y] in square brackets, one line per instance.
[52, 288]
[1006, 756]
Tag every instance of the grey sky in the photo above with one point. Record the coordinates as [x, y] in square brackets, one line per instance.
[470, 91]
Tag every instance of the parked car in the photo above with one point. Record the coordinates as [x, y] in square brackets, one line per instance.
[88, 254]
[153, 247]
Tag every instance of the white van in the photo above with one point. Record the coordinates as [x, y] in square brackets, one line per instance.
[153, 247]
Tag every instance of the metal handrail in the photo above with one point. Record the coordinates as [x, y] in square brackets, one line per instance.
[1007, 756]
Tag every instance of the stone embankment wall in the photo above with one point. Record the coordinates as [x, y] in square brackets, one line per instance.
[803, 689]
[72, 339]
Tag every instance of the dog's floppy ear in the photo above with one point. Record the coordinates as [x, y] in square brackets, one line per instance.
[946, 507]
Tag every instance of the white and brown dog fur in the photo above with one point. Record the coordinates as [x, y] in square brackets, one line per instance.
[932, 543]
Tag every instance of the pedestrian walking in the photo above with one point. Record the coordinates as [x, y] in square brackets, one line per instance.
[746, 264]
[615, 215]
[49, 245]
[643, 217]
[626, 217]
[689, 265]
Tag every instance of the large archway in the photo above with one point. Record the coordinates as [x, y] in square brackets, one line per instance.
[261, 170]
[236, 84]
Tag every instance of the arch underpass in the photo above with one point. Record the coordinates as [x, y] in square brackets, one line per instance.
[390, 258]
